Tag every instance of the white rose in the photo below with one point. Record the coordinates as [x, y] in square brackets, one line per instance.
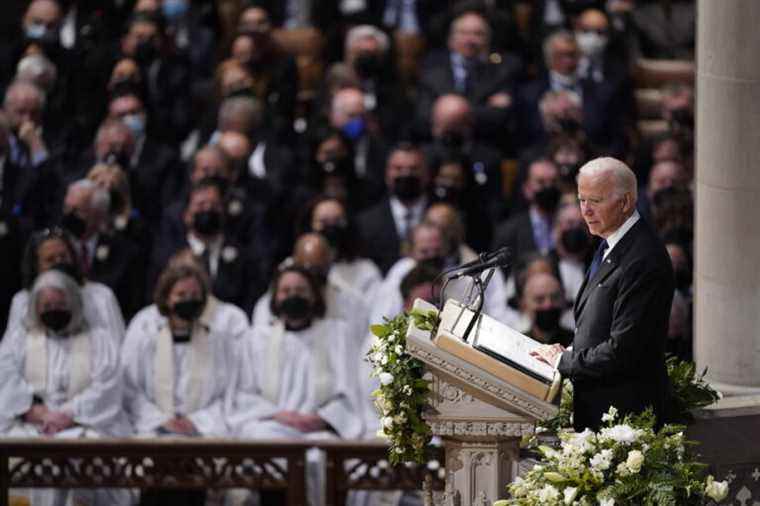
[716, 490]
[386, 378]
[387, 422]
[634, 461]
[620, 433]
[398, 349]
[622, 470]
[608, 501]
[548, 494]
[570, 494]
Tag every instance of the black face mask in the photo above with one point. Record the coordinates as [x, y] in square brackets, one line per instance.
[74, 224]
[188, 310]
[295, 307]
[437, 263]
[575, 240]
[145, 52]
[452, 140]
[683, 279]
[207, 222]
[547, 320]
[56, 319]
[569, 125]
[117, 202]
[547, 198]
[368, 65]
[569, 171]
[335, 235]
[68, 269]
[449, 194]
[219, 181]
[407, 188]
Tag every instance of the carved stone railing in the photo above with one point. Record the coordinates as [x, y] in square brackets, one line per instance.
[364, 466]
[169, 463]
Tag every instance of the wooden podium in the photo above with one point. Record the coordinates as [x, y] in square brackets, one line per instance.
[477, 407]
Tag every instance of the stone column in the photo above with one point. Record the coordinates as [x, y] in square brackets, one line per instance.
[727, 242]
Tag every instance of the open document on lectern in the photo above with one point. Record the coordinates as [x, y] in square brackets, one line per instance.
[496, 348]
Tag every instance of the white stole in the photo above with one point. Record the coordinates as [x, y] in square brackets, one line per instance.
[323, 379]
[200, 360]
[36, 362]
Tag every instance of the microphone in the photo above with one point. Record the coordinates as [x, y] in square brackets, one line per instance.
[498, 258]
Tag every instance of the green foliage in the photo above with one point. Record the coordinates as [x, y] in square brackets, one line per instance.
[403, 392]
[626, 463]
[689, 392]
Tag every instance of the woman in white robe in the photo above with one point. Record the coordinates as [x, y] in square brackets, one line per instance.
[60, 377]
[53, 249]
[329, 216]
[296, 378]
[177, 365]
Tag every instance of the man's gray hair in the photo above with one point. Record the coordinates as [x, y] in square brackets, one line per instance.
[17, 86]
[623, 177]
[249, 106]
[37, 69]
[551, 39]
[58, 280]
[365, 31]
[100, 199]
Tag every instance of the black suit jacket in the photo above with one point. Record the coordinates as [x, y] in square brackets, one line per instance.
[605, 113]
[121, 265]
[621, 315]
[437, 78]
[239, 279]
[517, 234]
[379, 235]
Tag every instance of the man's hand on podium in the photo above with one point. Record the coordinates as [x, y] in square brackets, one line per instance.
[549, 353]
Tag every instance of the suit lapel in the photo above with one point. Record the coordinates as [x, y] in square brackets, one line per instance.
[606, 268]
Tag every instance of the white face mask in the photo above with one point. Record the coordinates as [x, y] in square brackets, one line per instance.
[591, 43]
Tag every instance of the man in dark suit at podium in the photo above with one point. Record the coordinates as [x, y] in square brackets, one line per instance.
[622, 310]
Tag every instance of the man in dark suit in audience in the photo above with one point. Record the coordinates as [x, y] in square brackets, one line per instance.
[622, 311]
[604, 104]
[467, 68]
[385, 227]
[531, 230]
[104, 257]
[235, 270]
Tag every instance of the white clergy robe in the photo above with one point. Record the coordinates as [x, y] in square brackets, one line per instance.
[164, 379]
[309, 371]
[361, 275]
[77, 374]
[388, 301]
[101, 309]
[341, 302]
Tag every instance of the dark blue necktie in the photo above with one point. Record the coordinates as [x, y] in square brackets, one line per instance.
[597, 260]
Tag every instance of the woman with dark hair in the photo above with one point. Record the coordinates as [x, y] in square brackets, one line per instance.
[53, 249]
[296, 378]
[60, 377]
[330, 217]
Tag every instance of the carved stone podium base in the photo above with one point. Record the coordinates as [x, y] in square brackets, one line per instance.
[480, 419]
[479, 470]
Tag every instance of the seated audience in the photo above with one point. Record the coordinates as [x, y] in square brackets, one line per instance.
[60, 377]
[54, 249]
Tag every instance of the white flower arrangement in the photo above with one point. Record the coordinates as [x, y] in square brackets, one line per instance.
[403, 392]
[626, 463]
